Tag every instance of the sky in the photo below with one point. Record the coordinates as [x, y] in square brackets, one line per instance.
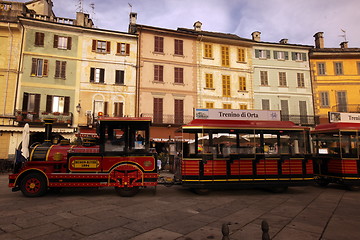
[295, 20]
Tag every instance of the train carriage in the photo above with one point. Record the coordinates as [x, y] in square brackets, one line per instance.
[336, 147]
[243, 153]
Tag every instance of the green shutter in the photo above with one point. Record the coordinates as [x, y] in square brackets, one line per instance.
[286, 55]
[275, 54]
[257, 53]
[268, 54]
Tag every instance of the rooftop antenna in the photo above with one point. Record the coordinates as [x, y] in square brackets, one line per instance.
[92, 6]
[79, 6]
[344, 35]
[130, 7]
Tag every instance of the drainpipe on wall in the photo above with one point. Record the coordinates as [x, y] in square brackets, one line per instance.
[8, 70]
[19, 67]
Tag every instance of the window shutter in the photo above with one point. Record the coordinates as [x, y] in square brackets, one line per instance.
[69, 42]
[293, 56]
[117, 76]
[37, 103]
[118, 47]
[46, 68]
[268, 54]
[102, 75]
[63, 70]
[108, 45]
[42, 37]
[127, 49]
[25, 101]
[33, 67]
[106, 108]
[122, 77]
[67, 105]
[304, 57]
[57, 69]
[56, 41]
[275, 54]
[36, 39]
[49, 103]
[92, 75]
[286, 55]
[257, 53]
[94, 42]
[161, 73]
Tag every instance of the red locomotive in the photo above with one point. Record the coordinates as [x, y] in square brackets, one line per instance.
[121, 159]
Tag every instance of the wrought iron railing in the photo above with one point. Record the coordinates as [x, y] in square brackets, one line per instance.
[167, 119]
[38, 117]
[300, 120]
[353, 108]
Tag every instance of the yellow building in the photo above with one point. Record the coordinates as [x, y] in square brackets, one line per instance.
[335, 78]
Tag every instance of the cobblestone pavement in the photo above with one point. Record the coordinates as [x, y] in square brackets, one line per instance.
[308, 213]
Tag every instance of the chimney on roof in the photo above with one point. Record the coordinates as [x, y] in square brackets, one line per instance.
[344, 45]
[197, 26]
[256, 36]
[83, 19]
[132, 23]
[284, 41]
[319, 40]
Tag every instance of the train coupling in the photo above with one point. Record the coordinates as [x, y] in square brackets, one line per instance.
[167, 181]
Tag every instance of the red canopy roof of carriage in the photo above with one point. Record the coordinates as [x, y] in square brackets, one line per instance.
[343, 126]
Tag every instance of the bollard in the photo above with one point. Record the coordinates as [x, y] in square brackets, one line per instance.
[225, 231]
[265, 230]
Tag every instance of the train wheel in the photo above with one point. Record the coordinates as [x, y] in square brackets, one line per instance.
[322, 182]
[33, 185]
[127, 191]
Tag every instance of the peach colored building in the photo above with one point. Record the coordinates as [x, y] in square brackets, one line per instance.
[166, 77]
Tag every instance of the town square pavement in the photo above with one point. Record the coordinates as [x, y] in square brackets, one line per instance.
[331, 213]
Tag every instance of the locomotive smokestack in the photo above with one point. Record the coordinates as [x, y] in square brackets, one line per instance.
[48, 129]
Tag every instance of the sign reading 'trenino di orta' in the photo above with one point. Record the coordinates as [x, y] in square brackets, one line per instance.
[233, 114]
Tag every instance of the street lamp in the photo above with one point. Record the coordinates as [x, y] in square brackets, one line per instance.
[78, 108]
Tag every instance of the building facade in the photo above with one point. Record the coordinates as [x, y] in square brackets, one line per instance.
[282, 80]
[336, 78]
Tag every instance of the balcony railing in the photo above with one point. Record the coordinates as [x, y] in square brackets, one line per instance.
[352, 108]
[34, 118]
[168, 119]
[300, 120]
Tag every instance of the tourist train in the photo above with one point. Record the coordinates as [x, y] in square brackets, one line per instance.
[211, 154]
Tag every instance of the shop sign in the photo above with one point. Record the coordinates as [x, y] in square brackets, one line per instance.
[344, 117]
[233, 114]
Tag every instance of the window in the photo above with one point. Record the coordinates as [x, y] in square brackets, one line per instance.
[241, 55]
[159, 44]
[296, 56]
[123, 49]
[300, 80]
[59, 104]
[208, 50]
[39, 39]
[226, 105]
[282, 79]
[62, 42]
[324, 99]
[179, 47]
[226, 85]
[209, 105]
[39, 67]
[281, 55]
[60, 69]
[358, 67]
[158, 110]
[262, 54]
[101, 46]
[243, 106]
[264, 78]
[209, 80]
[242, 84]
[225, 58]
[31, 102]
[118, 109]
[321, 69]
[265, 104]
[284, 110]
[179, 111]
[179, 75]
[97, 75]
[338, 66]
[119, 77]
[99, 107]
[341, 101]
[158, 73]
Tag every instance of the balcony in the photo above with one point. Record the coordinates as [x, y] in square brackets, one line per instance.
[300, 120]
[351, 108]
[34, 118]
[168, 119]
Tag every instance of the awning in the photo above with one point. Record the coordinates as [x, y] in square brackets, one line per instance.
[35, 129]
